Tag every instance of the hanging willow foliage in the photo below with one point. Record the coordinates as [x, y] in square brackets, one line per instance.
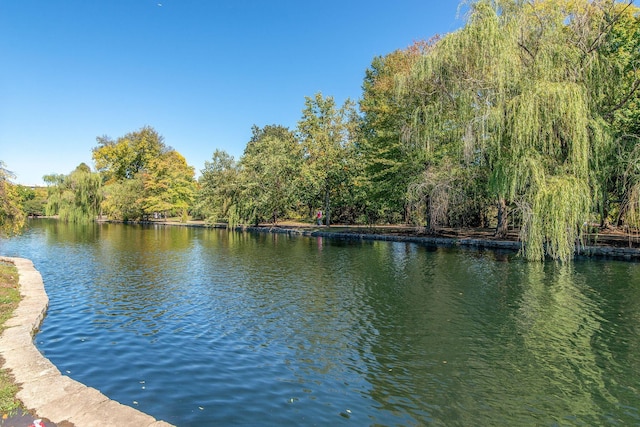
[566, 203]
[551, 119]
[514, 92]
[76, 197]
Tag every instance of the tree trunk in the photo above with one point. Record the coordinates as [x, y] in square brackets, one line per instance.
[327, 211]
[427, 207]
[604, 211]
[503, 226]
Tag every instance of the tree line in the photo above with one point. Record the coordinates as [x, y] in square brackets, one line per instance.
[526, 119]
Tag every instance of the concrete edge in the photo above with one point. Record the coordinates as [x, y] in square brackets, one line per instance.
[43, 389]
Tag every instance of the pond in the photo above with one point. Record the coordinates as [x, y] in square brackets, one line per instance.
[208, 327]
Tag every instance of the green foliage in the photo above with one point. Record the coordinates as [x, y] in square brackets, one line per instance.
[75, 197]
[34, 200]
[449, 195]
[168, 184]
[389, 161]
[269, 175]
[327, 135]
[128, 155]
[218, 184]
[143, 176]
[123, 200]
[11, 211]
[513, 93]
[566, 203]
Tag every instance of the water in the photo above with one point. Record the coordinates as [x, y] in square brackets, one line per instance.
[206, 327]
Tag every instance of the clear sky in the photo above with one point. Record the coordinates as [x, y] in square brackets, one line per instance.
[201, 72]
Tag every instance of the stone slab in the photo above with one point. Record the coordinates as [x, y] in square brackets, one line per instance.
[44, 390]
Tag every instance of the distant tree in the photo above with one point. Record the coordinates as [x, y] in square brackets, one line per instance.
[327, 135]
[141, 161]
[169, 185]
[75, 197]
[128, 155]
[269, 174]
[123, 199]
[12, 216]
[34, 200]
[391, 160]
[216, 197]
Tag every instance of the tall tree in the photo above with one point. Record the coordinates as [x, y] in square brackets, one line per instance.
[618, 102]
[169, 185]
[216, 198]
[142, 161]
[128, 155]
[327, 135]
[391, 160]
[269, 174]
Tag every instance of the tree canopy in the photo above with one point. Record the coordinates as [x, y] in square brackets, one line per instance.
[327, 136]
[125, 157]
[75, 197]
[268, 172]
[143, 176]
[518, 93]
[216, 196]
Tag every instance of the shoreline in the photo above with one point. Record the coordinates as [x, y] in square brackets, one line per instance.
[471, 240]
[600, 252]
[43, 389]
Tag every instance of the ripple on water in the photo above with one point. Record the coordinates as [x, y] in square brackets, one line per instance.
[202, 327]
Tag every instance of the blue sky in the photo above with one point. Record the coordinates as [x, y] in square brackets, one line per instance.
[201, 72]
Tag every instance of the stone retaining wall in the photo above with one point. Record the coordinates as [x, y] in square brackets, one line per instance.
[43, 389]
[606, 252]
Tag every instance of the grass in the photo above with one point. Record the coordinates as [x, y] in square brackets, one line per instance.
[9, 299]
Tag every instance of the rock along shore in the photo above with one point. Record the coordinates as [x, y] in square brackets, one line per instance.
[43, 389]
[602, 251]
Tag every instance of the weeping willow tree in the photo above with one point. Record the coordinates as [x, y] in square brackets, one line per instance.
[513, 93]
[75, 197]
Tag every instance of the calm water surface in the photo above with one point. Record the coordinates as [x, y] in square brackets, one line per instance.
[205, 327]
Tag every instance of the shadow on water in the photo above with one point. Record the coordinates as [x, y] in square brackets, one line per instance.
[209, 327]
